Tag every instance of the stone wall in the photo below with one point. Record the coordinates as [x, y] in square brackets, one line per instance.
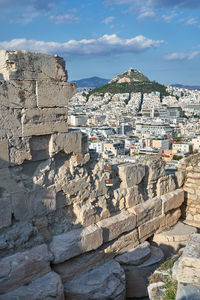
[61, 224]
[187, 270]
[190, 169]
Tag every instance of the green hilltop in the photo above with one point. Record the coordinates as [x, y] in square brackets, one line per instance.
[131, 81]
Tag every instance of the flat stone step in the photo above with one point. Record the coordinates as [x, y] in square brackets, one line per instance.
[135, 256]
[192, 223]
[137, 276]
[106, 281]
[172, 240]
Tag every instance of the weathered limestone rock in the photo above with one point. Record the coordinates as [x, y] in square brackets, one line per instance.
[70, 142]
[19, 150]
[75, 242]
[188, 265]
[23, 65]
[19, 237]
[147, 210]
[135, 256]
[191, 167]
[172, 200]
[187, 292]
[46, 287]
[170, 241]
[18, 94]
[165, 185]
[132, 197]
[172, 217]
[44, 121]
[42, 201]
[5, 211]
[10, 122]
[156, 291]
[130, 174]
[23, 267]
[4, 155]
[149, 228]
[80, 264]
[180, 177]
[86, 214]
[114, 226]
[154, 169]
[42, 227]
[53, 93]
[106, 281]
[122, 243]
[137, 276]
[8, 183]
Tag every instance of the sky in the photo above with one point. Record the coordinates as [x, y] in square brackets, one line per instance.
[160, 38]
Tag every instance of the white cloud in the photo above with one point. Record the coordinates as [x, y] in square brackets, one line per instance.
[67, 18]
[192, 22]
[169, 18]
[146, 14]
[118, 2]
[154, 8]
[105, 45]
[188, 4]
[24, 11]
[13, 5]
[108, 20]
[182, 55]
[25, 18]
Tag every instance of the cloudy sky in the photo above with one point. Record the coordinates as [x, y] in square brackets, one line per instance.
[161, 38]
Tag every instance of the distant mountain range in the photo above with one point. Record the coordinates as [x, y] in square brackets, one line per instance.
[92, 82]
[189, 87]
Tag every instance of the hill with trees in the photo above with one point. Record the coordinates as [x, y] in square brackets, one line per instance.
[131, 81]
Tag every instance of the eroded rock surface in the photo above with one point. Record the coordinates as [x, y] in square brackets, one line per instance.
[104, 282]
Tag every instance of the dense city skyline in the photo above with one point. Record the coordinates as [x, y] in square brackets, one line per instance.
[104, 38]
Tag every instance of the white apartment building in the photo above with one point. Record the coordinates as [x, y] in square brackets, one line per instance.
[153, 128]
[97, 146]
[78, 119]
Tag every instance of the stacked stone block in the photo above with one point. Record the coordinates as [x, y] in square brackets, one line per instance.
[33, 98]
[187, 270]
[191, 169]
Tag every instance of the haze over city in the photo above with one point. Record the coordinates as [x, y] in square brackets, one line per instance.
[106, 37]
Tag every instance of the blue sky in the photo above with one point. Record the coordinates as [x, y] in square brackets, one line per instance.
[161, 38]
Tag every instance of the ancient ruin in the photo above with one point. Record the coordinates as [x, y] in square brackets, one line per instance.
[64, 232]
